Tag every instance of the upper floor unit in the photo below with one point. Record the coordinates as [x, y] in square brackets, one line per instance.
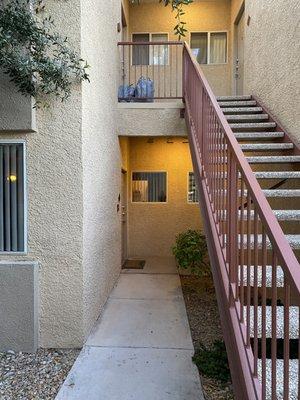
[230, 39]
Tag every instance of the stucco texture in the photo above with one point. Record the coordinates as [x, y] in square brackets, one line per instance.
[54, 180]
[201, 16]
[272, 57]
[73, 177]
[101, 157]
[153, 226]
[16, 112]
[150, 121]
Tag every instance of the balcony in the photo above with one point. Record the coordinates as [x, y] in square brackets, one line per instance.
[150, 72]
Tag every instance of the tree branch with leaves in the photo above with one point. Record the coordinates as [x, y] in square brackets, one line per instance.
[178, 7]
[39, 61]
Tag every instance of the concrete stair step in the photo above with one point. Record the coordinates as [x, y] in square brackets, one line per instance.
[287, 215]
[293, 381]
[234, 98]
[281, 215]
[253, 125]
[258, 135]
[281, 192]
[241, 110]
[293, 240]
[247, 117]
[268, 175]
[273, 159]
[237, 103]
[294, 321]
[243, 276]
[266, 146]
[272, 193]
[277, 174]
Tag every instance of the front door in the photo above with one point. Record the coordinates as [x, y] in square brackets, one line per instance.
[239, 62]
[124, 215]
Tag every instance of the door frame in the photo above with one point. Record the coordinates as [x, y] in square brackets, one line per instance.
[235, 46]
[124, 231]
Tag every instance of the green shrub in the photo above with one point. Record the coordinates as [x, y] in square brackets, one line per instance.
[213, 362]
[190, 252]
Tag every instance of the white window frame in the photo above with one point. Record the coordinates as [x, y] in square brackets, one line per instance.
[187, 191]
[149, 202]
[25, 200]
[208, 45]
[150, 40]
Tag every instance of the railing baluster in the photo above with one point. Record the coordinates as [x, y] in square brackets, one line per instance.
[242, 259]
[249, 262]
[255, 293]
[274, 327]
[263, 312]
[286, 350]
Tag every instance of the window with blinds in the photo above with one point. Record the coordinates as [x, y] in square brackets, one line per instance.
[12, 197]
[149, 187]
[193, 196]
[150, 55]
[209, 47]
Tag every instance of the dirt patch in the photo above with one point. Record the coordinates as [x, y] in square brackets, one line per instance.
[204, 320]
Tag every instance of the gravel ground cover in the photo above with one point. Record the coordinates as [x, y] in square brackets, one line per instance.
[34, 376]
[204, 320]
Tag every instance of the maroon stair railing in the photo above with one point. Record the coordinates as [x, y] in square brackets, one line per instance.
[253, 265]
[161, 62]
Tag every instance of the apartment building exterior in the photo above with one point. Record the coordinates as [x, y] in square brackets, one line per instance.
[78, 158]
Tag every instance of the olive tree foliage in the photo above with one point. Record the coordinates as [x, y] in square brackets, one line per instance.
[178, 8]
[37, 59]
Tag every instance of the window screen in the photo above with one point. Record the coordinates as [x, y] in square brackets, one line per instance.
[199, 42]
[218, 47]
[193, 196]
[149, 187]
[140, 53]
[12, 219]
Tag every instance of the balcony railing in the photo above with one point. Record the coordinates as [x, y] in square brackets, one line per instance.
[150, 71]
[247, 247]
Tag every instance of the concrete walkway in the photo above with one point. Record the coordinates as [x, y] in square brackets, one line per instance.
[141, 347]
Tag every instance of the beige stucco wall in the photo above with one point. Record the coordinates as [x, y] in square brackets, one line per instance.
[152, 119]
[101, 157]
[54, 179]
[272, 57]
[153, 226]
[73, 176]
[201, 15]
[16, 110]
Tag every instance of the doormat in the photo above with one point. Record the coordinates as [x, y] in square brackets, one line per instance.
[134, 264]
